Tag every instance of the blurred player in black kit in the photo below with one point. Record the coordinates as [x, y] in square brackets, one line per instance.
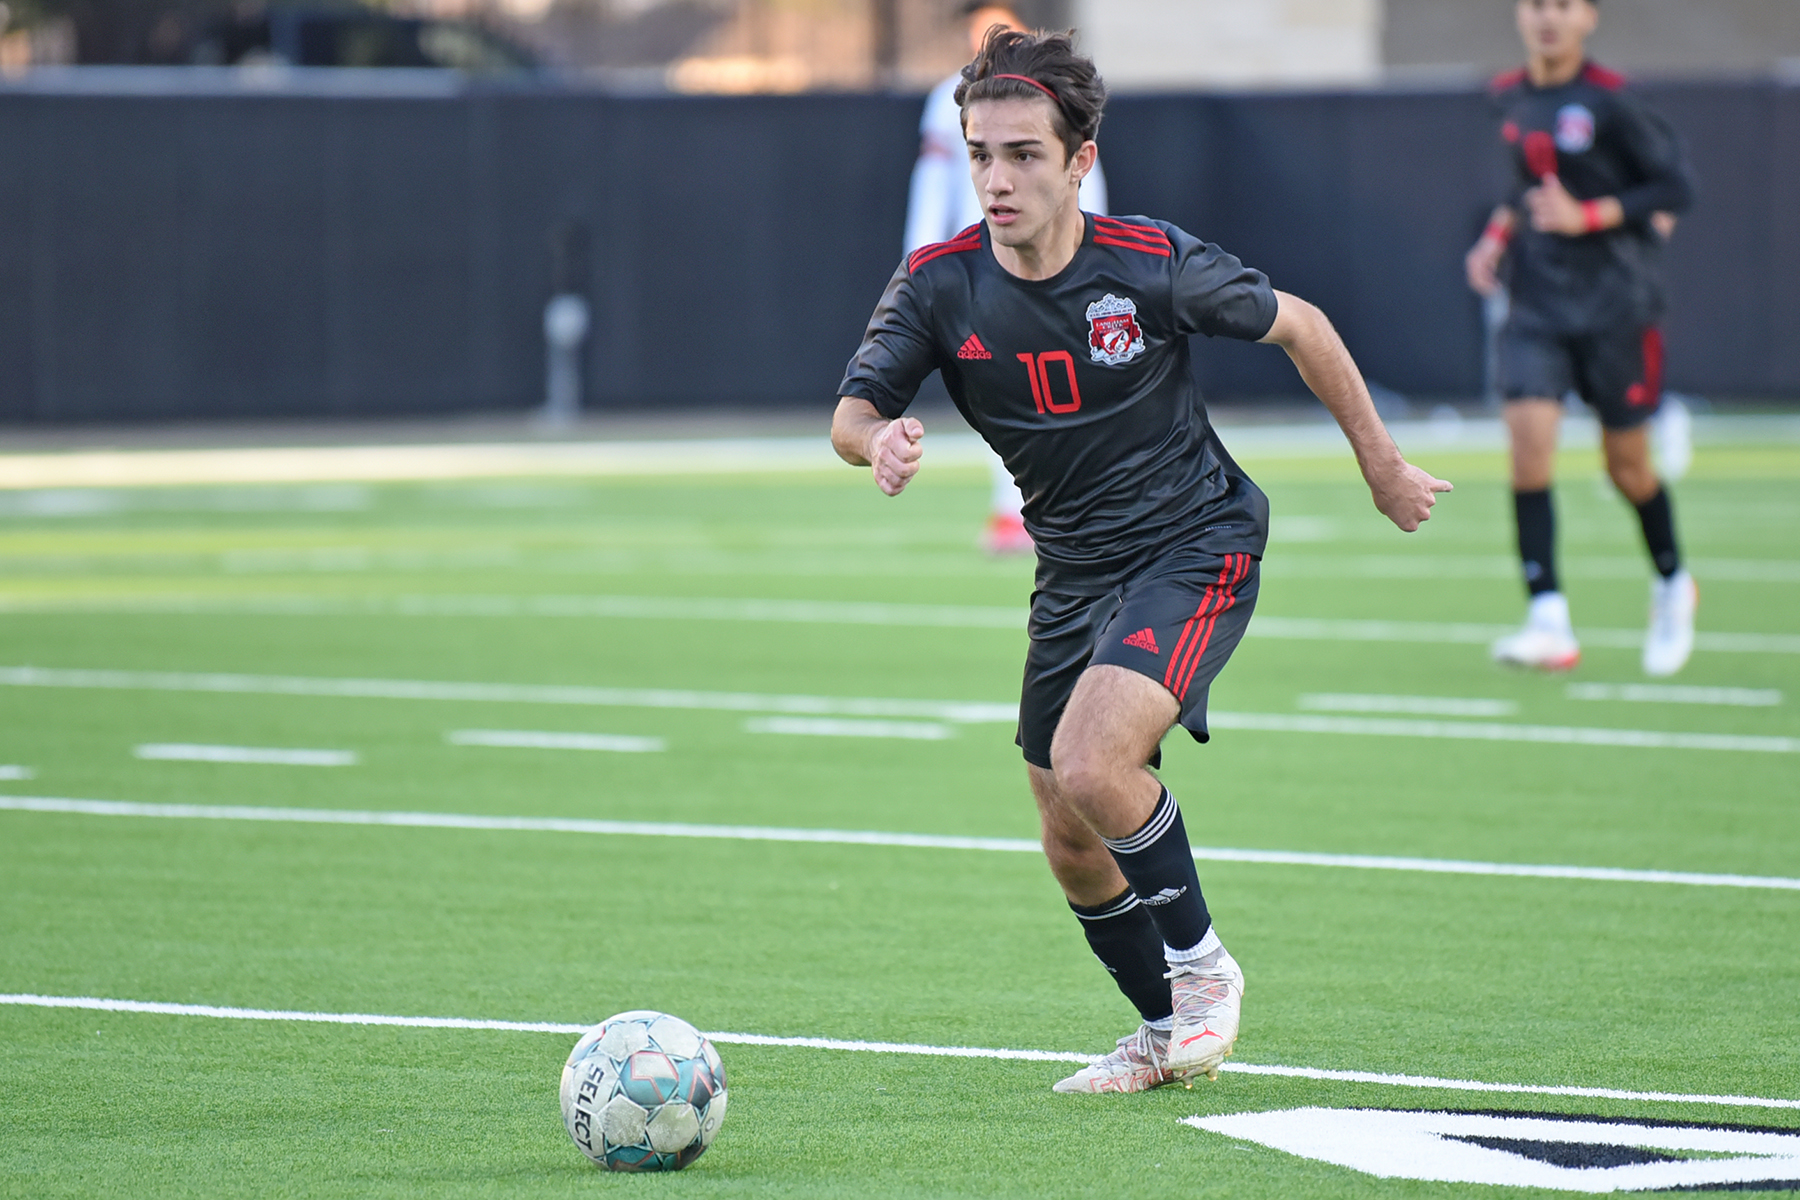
[1063, 339]
[1599, 179]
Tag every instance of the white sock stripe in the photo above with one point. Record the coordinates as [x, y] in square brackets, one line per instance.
[1125, 905]
[1161, 818]
[845, 837]
[97, 1004]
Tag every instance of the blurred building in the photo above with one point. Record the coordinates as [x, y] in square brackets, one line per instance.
[1655, 38]
[743, 46]
[1181, 44]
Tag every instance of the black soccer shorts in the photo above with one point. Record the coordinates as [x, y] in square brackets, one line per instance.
[1176, 626]
[1618, 372]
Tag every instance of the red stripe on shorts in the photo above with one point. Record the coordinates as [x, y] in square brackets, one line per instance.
[1176, 661]
[1240, 567]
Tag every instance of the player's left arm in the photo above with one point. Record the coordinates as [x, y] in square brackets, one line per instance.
[1403, 492]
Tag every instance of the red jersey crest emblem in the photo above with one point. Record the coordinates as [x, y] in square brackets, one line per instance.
[1114, 336]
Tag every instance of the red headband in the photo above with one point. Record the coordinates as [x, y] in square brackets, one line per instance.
[1034, 83]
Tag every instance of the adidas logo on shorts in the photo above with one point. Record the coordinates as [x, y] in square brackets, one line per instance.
[1143, 639]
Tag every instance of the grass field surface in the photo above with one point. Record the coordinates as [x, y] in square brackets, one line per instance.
[788, 651]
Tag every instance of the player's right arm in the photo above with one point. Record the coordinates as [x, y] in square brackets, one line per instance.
[864, 438]
[1482, 264]
[870, 427]
[1402, 492]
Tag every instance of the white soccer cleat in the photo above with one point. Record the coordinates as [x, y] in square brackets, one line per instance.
[1547, 642]
[1138, 1065]
[1672, 438]
[1671, 637]
[1208, 1002]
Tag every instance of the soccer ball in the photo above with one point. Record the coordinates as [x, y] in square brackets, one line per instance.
[643, 1091]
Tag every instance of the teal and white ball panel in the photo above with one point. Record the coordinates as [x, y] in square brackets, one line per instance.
[643, 1091]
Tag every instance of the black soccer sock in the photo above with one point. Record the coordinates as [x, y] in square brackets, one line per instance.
[1537, 539]
[1124, 939]
[1658, 520]
[1158, 864]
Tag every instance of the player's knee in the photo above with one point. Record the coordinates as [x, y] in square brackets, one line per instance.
[1083, 774]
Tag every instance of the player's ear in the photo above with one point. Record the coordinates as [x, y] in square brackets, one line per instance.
[1083, 159]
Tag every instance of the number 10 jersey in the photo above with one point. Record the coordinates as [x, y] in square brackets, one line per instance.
[1082, 384]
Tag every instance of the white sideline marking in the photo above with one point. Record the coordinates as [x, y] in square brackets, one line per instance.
[529, 739]
[1489, 731]
[270, 755]
[956, 711]
[14, 771]
[921, 731]
[825, 612]
[1431, 706]
[959, 712]
[845, 837]
[1662, 693]
[96, 1004]
[1459, 633]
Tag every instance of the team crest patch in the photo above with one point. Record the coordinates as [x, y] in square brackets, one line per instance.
[1113, 333]
[1574, 129]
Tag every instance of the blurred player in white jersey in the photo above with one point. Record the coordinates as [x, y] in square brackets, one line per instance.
[942, 203]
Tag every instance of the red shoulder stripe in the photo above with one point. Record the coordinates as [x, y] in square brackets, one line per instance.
[1130, 235]
[1148, 238]
[1163, 251]
[925, 254]
[1118, 226]
[1600, 77]
[1507, 80]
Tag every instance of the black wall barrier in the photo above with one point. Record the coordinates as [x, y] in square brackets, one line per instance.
[229, 255]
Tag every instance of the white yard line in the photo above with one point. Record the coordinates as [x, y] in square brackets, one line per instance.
[708, 456]
[954, 711]
[1430, 706]
[156, 1008]
[1663, 693]
[957, 711]
[826, 612]
[1493, 731]
[845, 837]
[1301, 565]
[1317, 629]
[918, 731]
[265, 755]
[15, 771]
[530, 739]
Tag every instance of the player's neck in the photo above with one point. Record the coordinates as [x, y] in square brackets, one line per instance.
[1049, 252]
[1547, 72]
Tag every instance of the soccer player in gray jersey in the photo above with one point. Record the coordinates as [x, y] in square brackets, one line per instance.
[1062, 337]
[1597, 181]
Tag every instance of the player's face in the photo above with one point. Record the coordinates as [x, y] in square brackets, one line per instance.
[1021, 171]
[1556, 29]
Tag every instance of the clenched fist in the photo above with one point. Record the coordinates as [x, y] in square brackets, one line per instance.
[894, 454]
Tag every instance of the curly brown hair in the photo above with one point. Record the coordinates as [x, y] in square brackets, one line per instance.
[1049, 64]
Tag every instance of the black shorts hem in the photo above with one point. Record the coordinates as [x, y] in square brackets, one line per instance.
[1177, 628]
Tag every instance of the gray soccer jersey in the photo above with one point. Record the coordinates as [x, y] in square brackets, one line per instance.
[1083, 384]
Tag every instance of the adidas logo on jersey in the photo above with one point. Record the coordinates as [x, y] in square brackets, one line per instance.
[1166, 896]
[973, 349]
[1143, 639]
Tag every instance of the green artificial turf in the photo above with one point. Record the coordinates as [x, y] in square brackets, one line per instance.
[1539, 981]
